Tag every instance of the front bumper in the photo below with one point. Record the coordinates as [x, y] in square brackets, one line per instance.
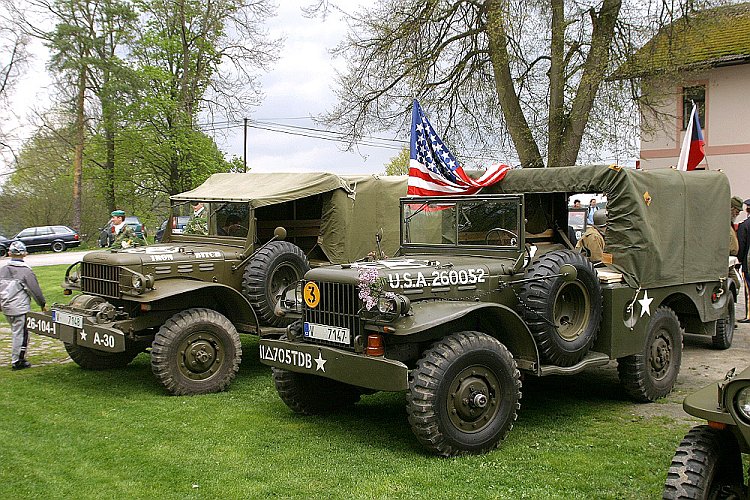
[97, 337]
[377, 373]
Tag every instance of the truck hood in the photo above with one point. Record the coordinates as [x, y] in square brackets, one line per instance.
[152, 254]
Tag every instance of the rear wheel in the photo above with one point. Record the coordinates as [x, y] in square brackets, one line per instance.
[725, 327]
[463, 395]
[58, 246]
[651, 374]
[196, 351]
[706, 465]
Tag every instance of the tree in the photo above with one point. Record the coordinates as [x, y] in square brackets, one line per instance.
[491, 69]
[13, 60]
[399, 164]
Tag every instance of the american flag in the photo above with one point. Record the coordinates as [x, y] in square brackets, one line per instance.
[433, 170]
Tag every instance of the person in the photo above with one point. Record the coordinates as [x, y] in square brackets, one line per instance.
[231, 227]
[743, 238]
[591, 243]
[198, 223]
[735, 207]
[20, 285]
[591, 211]
[576, 203]
[124, 235]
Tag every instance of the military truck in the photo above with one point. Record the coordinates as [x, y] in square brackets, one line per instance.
[487, 287]
[188, 299]
[708, 461]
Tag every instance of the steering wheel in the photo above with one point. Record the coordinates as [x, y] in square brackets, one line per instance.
[513, 237]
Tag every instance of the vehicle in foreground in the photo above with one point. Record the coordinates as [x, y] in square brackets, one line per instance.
[187, 299]
[42, 238]
[487, 287]
[708, 462]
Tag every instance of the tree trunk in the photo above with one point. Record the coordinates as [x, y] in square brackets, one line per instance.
[80, 135]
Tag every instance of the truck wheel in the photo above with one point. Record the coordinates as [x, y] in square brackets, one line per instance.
[91, 359]
[563, 316]
[464, 395]
[197, 351]
[313, 395]
[651, 374]
[707, 464]
[274, 267]
[725, 327]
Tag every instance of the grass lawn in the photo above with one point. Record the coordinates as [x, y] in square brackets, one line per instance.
[70, 433]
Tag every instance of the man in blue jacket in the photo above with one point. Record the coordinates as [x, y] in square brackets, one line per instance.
[18, 284]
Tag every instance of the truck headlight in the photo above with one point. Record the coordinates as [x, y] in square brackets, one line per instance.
[742, 402]
[394, 305]
[142, 283]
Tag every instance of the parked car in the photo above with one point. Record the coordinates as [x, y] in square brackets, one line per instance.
[178, 225]
[40, 238]
[106, 236]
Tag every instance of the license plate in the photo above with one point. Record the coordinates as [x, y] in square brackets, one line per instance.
[328, 333]
[65, 318]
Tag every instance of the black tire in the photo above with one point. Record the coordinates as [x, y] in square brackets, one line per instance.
[563, 316]
[313, 395]
[651, 374]
[3, 251]
[275, 266]
[92, 359]
[464, 395]
[58, 246]
[707, 464]
[725, 327]
[197, 351]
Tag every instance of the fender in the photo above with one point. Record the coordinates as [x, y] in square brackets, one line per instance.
[497, 320]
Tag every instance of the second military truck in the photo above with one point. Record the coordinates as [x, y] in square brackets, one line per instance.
[487, 287]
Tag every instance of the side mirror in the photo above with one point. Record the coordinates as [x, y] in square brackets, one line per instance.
[280, 233]
[569, 272]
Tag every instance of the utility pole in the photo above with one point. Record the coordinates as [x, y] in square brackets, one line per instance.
[244, 150]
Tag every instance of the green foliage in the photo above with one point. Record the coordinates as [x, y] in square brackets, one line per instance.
[399, 164]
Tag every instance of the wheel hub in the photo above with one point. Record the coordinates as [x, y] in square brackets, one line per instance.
[661, 356]
[472, 400]
[201, 356]
[571, 311]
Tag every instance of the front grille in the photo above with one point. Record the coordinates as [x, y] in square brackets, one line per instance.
[339, 304]
[100, 279]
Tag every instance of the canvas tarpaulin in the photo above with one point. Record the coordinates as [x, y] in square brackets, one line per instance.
[664, 227]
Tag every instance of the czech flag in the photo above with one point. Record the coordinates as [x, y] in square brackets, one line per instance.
[692, 151]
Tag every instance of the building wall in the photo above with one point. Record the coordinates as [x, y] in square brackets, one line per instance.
[727, 133]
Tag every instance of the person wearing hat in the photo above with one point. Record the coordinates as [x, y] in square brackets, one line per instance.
[735, 207]
[124, 235]
[743, 238]
[591, 243]
[18, 284]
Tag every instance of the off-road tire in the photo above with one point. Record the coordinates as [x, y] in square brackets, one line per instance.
[725, 327]
[197, 351]
[92, 359]
[563, 316]
[651, 374]
[464, 395]
[707, 464]
[275, 266]
[313, 395]
[58, 246]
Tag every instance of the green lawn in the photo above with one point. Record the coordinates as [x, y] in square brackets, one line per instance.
[69, 433]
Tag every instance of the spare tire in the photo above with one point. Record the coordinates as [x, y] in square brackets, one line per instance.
[275, 266]
[563, 316]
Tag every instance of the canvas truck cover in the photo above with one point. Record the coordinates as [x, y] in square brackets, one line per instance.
[665, 227]
[354, 207]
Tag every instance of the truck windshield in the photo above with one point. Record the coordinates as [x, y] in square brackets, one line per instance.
[475, 222]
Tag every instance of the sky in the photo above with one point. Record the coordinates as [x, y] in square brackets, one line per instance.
[298, 87]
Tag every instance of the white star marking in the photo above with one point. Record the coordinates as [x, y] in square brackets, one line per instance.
[83, 335]
[320, 362]
[645, 304]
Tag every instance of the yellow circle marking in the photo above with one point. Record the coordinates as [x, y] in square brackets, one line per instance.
[311, 294]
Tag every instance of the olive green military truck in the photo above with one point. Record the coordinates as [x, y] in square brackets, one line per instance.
[188, 298]
[487, 287]
[708, 461]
